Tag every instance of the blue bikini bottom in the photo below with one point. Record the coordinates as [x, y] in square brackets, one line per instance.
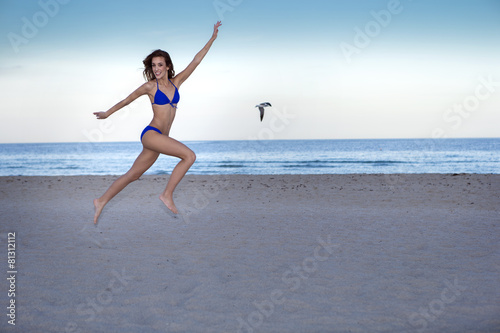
[149, 128]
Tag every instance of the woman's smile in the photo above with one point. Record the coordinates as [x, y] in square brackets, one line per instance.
[158, 64]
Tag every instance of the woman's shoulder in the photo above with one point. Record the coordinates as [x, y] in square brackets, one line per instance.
[146, 88]
[149, 85]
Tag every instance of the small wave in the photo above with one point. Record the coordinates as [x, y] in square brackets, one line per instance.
[231, 166]
[70, 167]
[162, 172]
[347, 162]
[308, 166]
[14, 167]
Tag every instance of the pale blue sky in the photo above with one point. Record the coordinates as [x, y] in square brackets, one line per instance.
[331, 69]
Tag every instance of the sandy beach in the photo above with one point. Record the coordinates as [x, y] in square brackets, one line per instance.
[277, 253]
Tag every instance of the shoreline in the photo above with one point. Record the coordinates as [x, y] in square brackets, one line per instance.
[295, 253]
[166, 175]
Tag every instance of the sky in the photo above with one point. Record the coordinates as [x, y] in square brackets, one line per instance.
[332, 69]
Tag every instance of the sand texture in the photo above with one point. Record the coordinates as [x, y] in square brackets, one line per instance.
[277, 253]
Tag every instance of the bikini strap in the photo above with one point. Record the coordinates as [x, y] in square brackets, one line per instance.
[173, 84]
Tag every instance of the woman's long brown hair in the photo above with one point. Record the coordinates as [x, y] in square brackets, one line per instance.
[148, 66]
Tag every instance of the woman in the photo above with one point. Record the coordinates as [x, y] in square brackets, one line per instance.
[162, 89]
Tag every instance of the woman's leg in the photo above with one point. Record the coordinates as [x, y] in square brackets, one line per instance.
[143, 162]
[168, 146]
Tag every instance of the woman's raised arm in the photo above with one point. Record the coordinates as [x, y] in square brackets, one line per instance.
[182, 76]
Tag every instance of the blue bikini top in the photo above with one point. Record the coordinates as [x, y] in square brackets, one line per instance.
[162, 99]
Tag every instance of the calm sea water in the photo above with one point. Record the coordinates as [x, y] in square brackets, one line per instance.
[261, 157]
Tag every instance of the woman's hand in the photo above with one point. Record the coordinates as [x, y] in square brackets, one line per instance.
[101, 115]
[216, 29]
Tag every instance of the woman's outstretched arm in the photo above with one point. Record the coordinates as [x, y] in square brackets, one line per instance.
[182, 76]
[142, 90]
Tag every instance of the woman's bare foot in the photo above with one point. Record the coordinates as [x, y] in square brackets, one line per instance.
[98, 209]
[169, 202]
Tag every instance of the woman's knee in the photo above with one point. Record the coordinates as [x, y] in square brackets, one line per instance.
[190, 157]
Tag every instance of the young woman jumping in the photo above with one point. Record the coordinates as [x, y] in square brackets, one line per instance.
[162, 87]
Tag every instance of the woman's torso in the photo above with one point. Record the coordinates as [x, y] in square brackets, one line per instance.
[163, 113]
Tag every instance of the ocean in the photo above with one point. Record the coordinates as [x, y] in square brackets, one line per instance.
[260, 157]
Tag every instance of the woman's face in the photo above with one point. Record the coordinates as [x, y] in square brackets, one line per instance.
[159, 67]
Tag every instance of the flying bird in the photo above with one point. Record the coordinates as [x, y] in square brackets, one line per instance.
[261, 107]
